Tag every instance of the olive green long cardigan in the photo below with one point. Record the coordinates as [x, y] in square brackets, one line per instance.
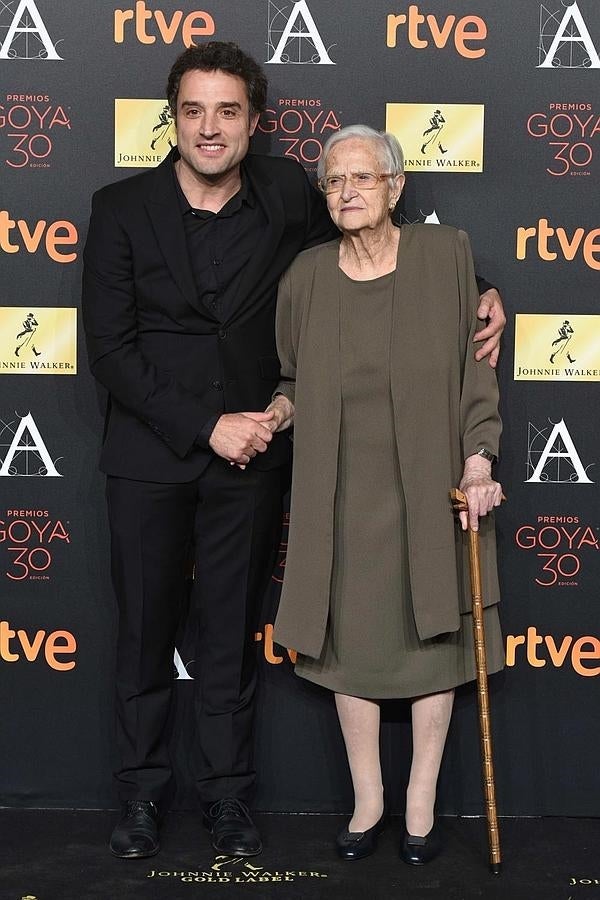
[445, 409]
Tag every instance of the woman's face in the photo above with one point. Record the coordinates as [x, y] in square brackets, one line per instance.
[352, 207]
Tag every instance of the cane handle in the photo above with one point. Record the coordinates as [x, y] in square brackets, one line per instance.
[459, 500]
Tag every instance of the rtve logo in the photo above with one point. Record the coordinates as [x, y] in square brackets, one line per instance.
[16, 235]
[549, 243]
[195, 24]
[16, 644]
[422, 29]
[566, 651]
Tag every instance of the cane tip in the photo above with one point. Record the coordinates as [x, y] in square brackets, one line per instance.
[496, 868]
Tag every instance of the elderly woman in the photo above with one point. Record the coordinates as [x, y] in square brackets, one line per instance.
[390, 411]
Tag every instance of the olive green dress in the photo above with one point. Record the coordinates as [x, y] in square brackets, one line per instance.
[371, 646]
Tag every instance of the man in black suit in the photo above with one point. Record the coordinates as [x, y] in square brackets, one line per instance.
[181, 268]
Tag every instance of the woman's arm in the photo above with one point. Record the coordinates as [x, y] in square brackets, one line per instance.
[286, 330]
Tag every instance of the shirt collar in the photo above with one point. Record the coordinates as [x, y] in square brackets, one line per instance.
[244, 195]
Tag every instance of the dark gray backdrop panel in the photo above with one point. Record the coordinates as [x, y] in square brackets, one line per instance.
[56, 738]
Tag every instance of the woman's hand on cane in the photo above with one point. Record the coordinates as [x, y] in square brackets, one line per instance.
[481, 491]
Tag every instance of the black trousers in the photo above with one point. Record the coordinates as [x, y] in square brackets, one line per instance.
[228, 520]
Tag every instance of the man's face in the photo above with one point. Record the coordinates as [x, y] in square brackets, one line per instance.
[214, 123]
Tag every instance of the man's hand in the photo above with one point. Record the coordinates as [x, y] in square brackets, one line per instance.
[283, 413]
[238, 437]
[490, 308]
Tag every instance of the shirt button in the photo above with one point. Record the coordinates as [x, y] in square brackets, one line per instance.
[217, 262]
[217, 385]
[222, 334]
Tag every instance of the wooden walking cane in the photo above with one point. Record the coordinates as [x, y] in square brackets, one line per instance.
[459, 503]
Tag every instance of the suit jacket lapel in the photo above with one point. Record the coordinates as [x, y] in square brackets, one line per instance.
[163, 208]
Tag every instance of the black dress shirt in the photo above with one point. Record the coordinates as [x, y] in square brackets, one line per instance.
[219, 246]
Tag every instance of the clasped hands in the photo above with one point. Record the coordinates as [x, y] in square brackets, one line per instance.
[238, 437]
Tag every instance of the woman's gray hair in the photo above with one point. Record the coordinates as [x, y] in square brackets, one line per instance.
[390, 151]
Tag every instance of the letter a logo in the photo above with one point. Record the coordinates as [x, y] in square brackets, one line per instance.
[298, 42]
[181, 673]
[554, 460]
[571, 46]
[27, 37]
[29, 458]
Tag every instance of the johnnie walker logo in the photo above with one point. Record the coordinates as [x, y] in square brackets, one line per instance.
[144, 133]
[438, 138]
[237, 870]
[40, 341]
[557, 348]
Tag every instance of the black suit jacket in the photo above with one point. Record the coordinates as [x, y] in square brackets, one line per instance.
[167, 364]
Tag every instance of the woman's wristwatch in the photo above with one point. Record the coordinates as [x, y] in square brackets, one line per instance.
[487, 454]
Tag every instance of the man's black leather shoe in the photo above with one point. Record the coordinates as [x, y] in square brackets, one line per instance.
[418, 851]
[358, 844]
[233, 831]
[136, 833]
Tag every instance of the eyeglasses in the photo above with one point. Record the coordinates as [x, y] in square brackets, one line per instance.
[365, 181]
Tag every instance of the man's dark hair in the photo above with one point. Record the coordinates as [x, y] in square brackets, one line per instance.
[224, 56]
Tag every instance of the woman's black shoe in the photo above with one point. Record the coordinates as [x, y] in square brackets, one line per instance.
[358, 844]
[418, 851]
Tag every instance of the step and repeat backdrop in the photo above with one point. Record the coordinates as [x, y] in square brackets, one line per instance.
[497, 106]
